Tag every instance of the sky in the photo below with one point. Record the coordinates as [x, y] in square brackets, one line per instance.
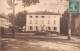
[44, 5]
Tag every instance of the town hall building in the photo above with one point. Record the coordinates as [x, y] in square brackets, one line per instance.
[43, 21]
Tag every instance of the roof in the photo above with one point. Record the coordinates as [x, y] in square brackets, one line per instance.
[3, 16]
[43, 13]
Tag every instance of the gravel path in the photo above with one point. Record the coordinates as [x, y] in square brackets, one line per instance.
[38, 45]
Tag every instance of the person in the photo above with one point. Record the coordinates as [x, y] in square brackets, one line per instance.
[13, 31]
[2, 32]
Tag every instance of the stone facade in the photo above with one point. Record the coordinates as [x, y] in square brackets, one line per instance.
[43, 21]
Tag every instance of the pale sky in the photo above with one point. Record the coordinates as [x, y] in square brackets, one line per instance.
[44, 5]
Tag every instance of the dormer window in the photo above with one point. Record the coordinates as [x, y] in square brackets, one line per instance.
[30, 16]
[42, 16]
[36, 16]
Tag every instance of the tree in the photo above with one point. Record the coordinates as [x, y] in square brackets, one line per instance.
[12, 5]
[20, 20]
[27, 3]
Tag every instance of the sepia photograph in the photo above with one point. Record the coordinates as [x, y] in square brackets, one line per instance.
[39, 25]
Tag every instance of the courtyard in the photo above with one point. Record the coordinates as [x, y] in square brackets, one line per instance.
[38, 43]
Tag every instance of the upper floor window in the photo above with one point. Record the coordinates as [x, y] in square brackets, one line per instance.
[48, 22]
[42, 21]
[36, 22]
[48, 16]
[30, 21]
[61, 0]
[54, 17]
[54, 21]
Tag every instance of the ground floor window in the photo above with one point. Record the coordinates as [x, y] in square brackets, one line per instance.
[36, 28]
[31, 28]
[55, 28]
[49, 28]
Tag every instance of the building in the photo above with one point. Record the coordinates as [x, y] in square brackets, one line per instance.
[4, 22]
[43, 21]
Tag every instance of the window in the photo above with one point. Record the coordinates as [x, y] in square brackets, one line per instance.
[61, 0]
[42, 21]
[55, 28]
[36, 22]
[31, 28]
[48, 22]
[30, 16]
[36, 28]
[36, 16]
[42, 16]
[30, 22]
[54, 17]
[54, 22]
[49, 28]
[49, 17]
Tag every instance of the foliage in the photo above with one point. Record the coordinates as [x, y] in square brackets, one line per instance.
[11, 17]
[29, 2]
[20, 19]
[25, 2]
